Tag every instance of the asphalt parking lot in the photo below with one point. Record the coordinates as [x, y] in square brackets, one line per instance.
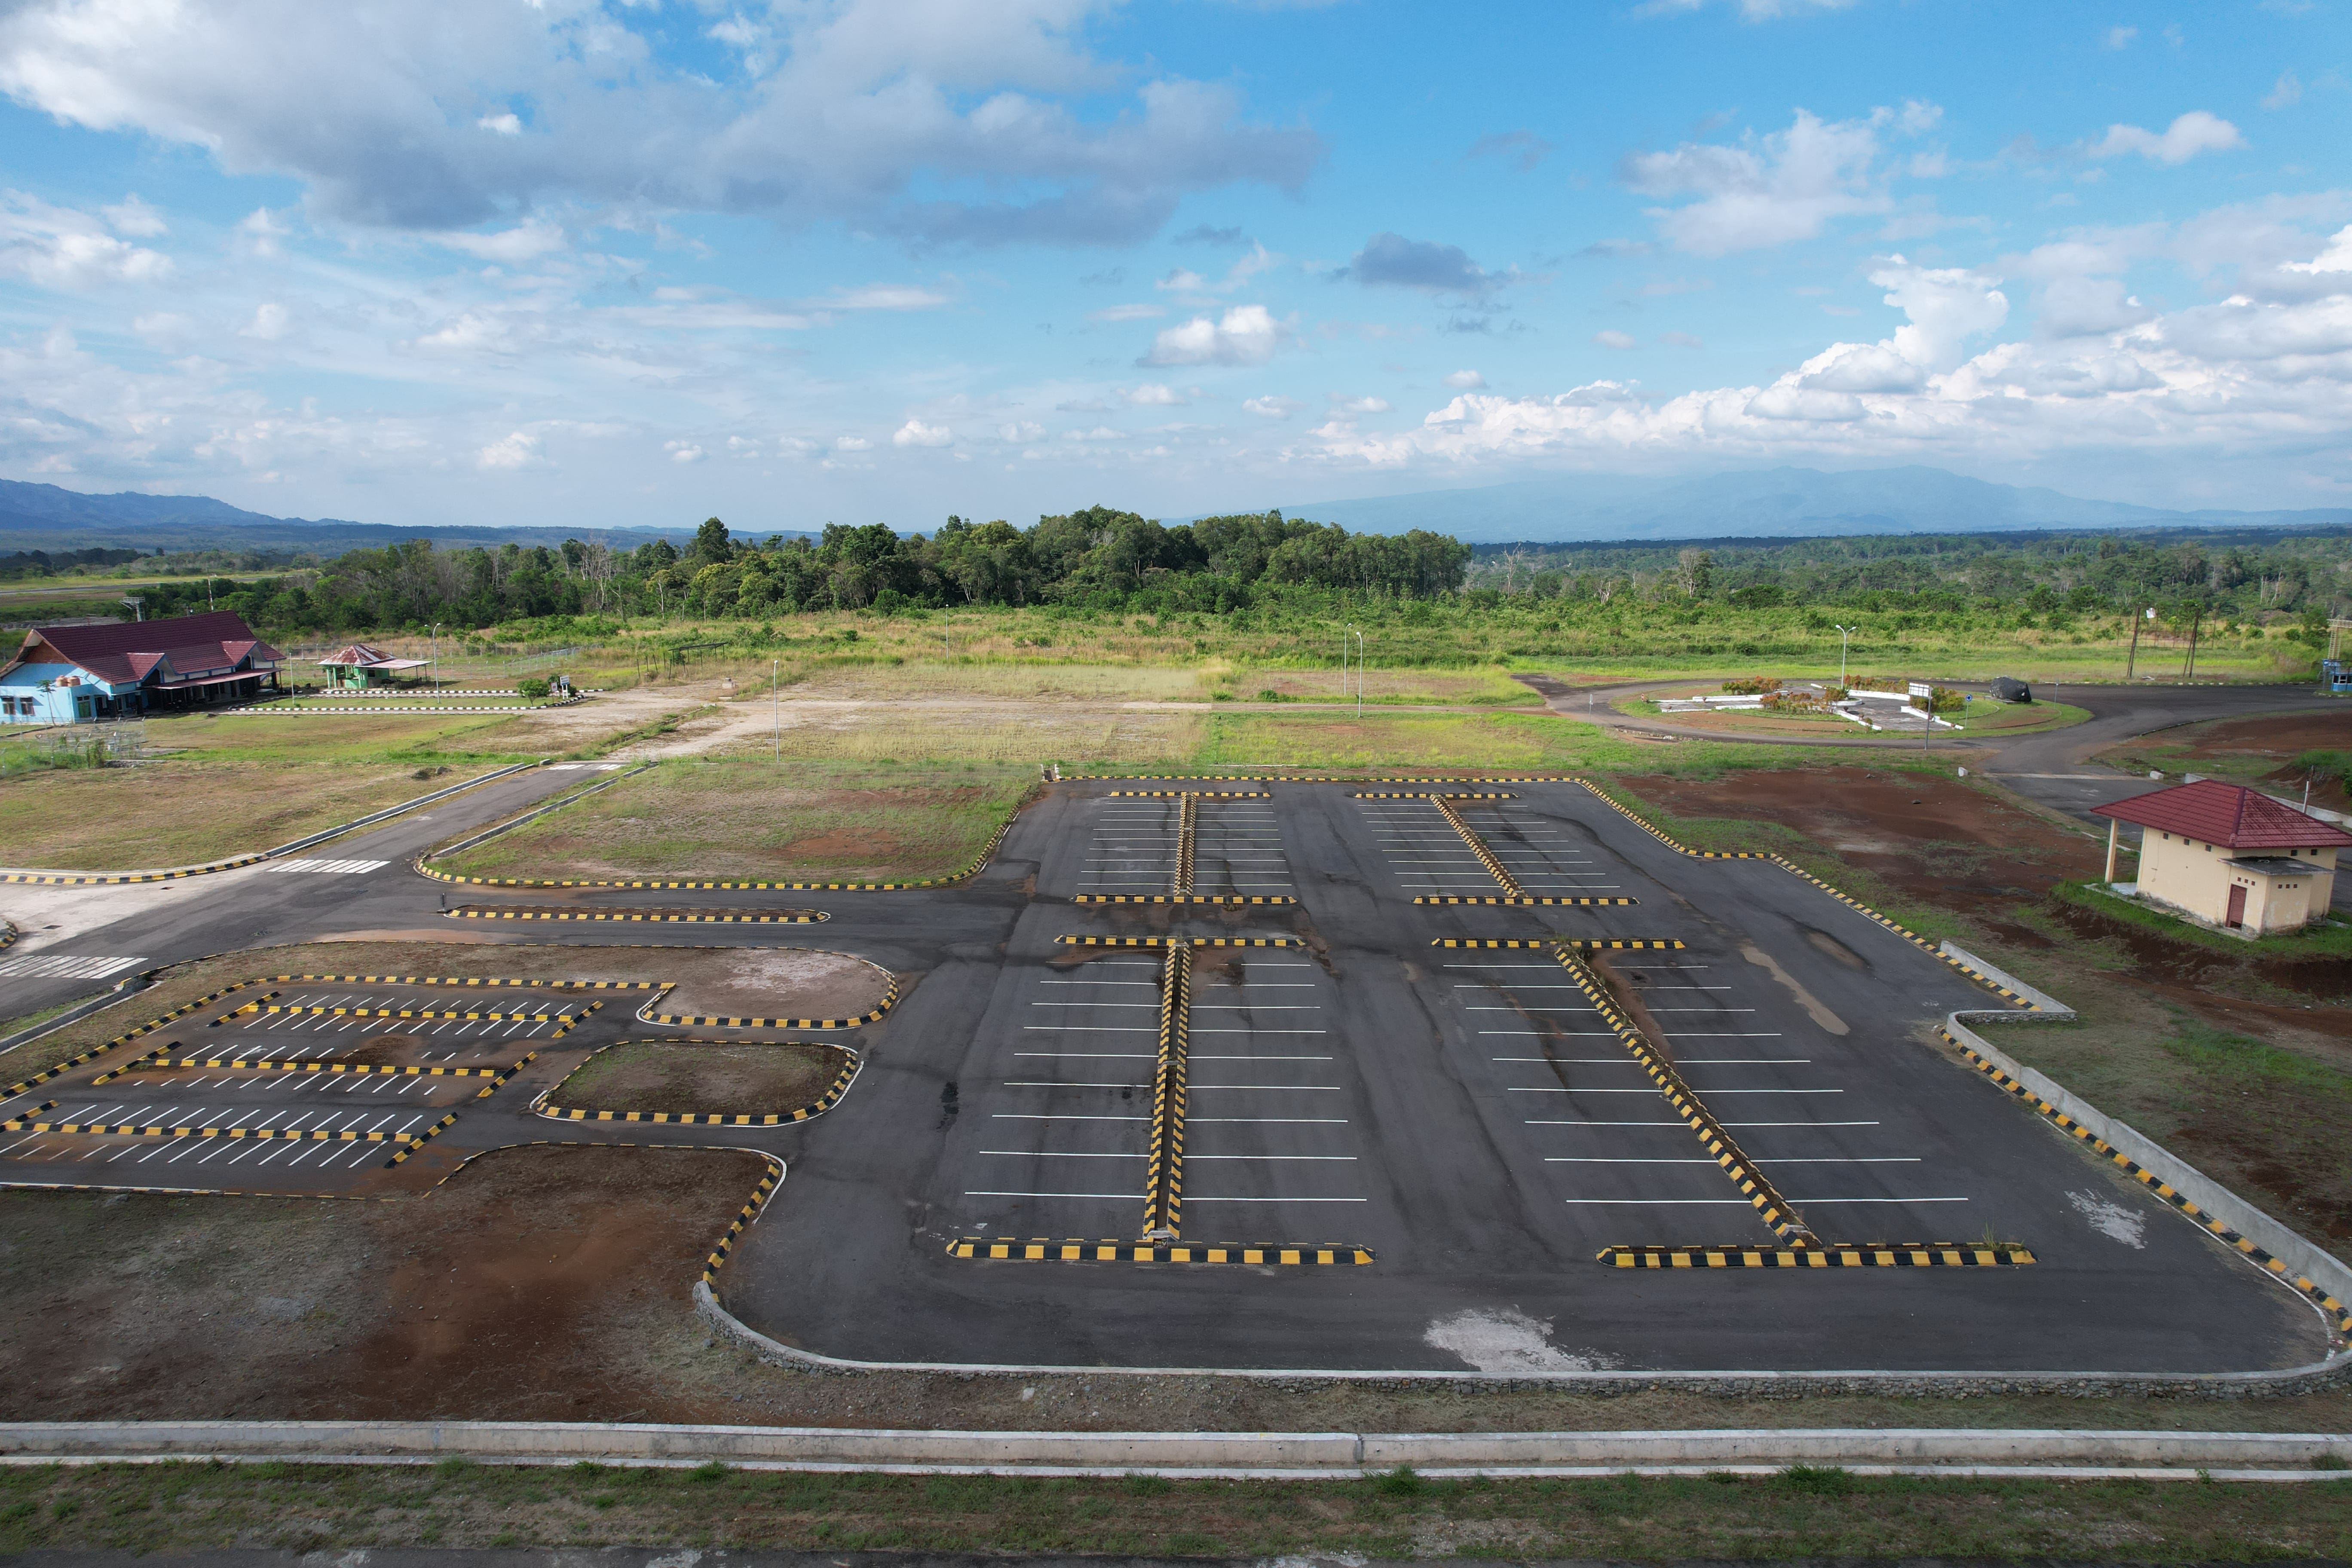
[1469, 1116]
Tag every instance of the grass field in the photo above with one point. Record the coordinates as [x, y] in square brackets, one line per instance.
[78, 820]
[746, 817]
[1814, 1513]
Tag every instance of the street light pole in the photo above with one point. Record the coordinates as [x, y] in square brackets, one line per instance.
[776, 704]
[1844, 633]
[1360, 675]
[434, 655]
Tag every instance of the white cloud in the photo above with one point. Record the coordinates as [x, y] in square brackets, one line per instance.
[684, 451]
[1271, 407]
[1680, 340]
[1126, 313]
[1465, 380]
[1247, 335]
[2120, 38]
[58, 247]
[135, 218]
[524, 242]
[271, 321]
[2287, 93]
[937, 121]
[258, 233]
[517, 450]
[852, 444]
[1749, 10]
[2194, 133]
[1150, 395]
[1349, 405]
[1611, 338]
[1769, 190]
[915, 433]
[880, 297]
[1021, 432]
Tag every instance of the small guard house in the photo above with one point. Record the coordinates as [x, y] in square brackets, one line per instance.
[355, 667]
[2230, 856]
[79, 675]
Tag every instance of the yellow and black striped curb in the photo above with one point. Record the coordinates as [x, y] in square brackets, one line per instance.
[1905, 932]
[1550, 941]
[1754, 1185]
[1163, 1180]
[8, 934]
[467, 979]
[1185, 795]
[824, 1103]
[2339, 1316]
[418, 1142]
[1499, 899]
[161, 1060]
[1867, 1255]
[1425, 795]
[874, 1014]
[1487, 858]
[67, 879]
[1317, 778]
[751, 1211]
[293, 1134]
[1180, 940]
[125, 1038]
[1188, 819]
[1041, 1250]
[393, 1013]
[22, 1118]
[781, 917]
[1183, 899]
[979, 864]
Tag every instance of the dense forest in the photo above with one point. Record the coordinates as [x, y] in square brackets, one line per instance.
[1099, 559]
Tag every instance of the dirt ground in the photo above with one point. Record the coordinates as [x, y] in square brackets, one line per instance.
[2258, 749]
[779, 982]
[2242, 1062]
[720, 1079]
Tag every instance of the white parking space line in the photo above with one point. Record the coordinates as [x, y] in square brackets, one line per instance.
[1123, 1197]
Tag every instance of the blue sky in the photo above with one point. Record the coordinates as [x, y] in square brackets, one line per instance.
[604, 264]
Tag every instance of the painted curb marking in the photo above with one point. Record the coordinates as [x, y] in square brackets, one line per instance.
[815, 1108]
[1041, 1250]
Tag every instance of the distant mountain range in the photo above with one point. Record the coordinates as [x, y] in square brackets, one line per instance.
[1781, 503]
[1775, 503]
[43, 517]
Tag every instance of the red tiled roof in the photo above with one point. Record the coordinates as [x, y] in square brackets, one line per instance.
[358, 654]
[127, 652]
[2212, 812]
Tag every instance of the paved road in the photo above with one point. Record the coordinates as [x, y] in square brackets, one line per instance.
[1472, 1123]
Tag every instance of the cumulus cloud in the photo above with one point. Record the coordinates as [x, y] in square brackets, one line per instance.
[2194, 133]
[519, 450]
[1391, 261]
[1465, 380]
[2120, 38]
[1769, 190]
[1612, 339]
[58, 247]
[135, 217]
[2286, 93]
[684, 451]
[1151, 394]
[1343, 405]
[1245, 335]
[1127, 313]
[524, 242]
[936, 121]
[1271, 407]
[915, 433]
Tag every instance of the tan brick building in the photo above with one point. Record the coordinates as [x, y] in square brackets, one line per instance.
[2230, 856]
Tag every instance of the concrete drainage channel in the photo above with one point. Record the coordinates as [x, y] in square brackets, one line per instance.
[1281, 1456]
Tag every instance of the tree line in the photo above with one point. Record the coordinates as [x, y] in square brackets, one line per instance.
[1097, 558]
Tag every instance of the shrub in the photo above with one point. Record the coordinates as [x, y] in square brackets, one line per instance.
[533, 688]
[1750, 685]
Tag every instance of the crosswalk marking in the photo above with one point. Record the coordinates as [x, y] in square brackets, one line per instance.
[344, 866]
[60, 967]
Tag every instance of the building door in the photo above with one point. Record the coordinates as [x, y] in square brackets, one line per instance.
[2237, 905]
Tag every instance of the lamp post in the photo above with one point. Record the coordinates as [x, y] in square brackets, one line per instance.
[1844, 633]
[1360, 675]
[776, 704]
[433, 653]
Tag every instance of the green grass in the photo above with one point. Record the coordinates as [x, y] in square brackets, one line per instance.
[86, 820]
[1811, 1511]
[394, 737]
[2328, 938]
[751, 817]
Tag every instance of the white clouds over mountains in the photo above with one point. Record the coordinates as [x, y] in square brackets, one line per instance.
[935, 120]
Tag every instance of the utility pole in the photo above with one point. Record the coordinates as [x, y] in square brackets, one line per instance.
[2196, 621]
[433, 654]
[2132, 662]
[1360, 675]
[776, 704]
[1844, 633]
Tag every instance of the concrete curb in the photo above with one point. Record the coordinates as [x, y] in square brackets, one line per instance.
[1303, 1455]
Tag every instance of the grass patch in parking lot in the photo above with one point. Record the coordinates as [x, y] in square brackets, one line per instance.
[745, 816]
[724, 1080]
[1816, 1513]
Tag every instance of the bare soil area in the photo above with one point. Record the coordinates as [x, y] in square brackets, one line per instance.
[2261, 749]
[538, 1284]
[2242, 1062]
[718, 1079]
[779, 982]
